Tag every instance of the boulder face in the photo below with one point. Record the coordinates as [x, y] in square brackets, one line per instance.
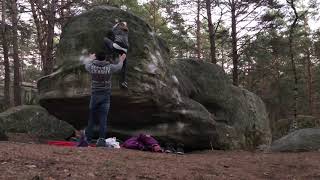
[34, 120]
[184, 101]
[300, 140]
[240, 116]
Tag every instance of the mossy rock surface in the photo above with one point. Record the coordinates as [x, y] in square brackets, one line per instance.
[175, 100]
[34, 120]
[298, 141]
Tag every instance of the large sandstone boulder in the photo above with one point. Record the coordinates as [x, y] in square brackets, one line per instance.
[183, 101]
[300, 140]
[34, 120]
[282, 126]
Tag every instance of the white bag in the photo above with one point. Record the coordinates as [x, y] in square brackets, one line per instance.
[112, 142]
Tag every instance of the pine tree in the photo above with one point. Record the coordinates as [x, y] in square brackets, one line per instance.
[5, 54]
[16, 59]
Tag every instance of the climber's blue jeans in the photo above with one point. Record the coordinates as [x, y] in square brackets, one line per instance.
[99, 108]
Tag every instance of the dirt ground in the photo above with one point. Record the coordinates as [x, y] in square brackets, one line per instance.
[39, 161]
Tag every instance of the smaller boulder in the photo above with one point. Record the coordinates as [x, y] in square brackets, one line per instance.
[34, 120]
[282, 126]
[298, 141]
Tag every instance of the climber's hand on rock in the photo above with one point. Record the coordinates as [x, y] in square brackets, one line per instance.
[122, 57]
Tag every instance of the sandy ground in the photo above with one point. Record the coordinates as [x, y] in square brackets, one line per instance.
[39, 161]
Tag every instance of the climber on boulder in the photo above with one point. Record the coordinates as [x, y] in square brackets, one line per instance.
[120, 46]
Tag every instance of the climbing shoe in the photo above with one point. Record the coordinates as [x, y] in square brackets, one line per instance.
[101, 142]
[180, 147]
[169, 148]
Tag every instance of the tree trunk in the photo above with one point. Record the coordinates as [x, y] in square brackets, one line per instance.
[16, 60]
[5, 57]
[69, 8]
[211, 33]
[222, 56]
[154, 16]
[65, 11]
[234, 44]
[308, 67]
[40, 35]
[48, 66]
[62, 15]
[309, 80]
[198, 49]
[294, 124]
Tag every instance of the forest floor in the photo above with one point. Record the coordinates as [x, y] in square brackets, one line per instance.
[29, 160]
